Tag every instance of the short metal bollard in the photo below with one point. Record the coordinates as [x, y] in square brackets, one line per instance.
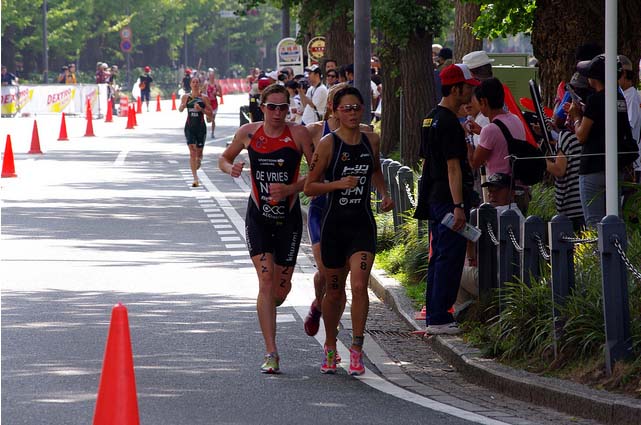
[616, 308]
[487, 254]
[509, 254]
[562, 264]
[531, 270]
[385, 162]
[392, 183]
[405, 182]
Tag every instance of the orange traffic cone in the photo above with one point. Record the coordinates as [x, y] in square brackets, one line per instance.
[63, 129]
[117, 401]
[134, 118]
[8, 167]
[35, 139]
[89, 130]
[110, 114]
[130, 120]
[139, 106]
[158, 103]
[173, 101]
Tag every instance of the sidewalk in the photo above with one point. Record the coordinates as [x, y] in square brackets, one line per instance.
[565, 396]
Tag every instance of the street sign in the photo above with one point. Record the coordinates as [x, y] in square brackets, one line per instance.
[288, 53]
[315, 49]
[125, 46]
[125, 33]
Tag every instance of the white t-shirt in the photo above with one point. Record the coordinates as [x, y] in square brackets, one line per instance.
[633, 102]
[318, 95]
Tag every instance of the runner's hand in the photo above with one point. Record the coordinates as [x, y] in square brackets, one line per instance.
[237, 169]
[347, 182]
[387, 204]
[279, 191]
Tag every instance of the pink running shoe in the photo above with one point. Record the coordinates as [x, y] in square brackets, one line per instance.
[329, 361]
[312, 320]
[356, 365]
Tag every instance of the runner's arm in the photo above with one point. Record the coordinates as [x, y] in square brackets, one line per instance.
[315, 184]
[378, 180]
[226, 160]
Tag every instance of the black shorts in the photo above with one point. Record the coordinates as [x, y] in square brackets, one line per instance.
[281, 240]
[145, 95]
[196, 135]
[341, 237]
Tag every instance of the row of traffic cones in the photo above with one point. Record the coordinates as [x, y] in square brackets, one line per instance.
[8, 163]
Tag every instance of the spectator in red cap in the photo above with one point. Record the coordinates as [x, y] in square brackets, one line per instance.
[187, 81]
[145, 86]
[446, 188]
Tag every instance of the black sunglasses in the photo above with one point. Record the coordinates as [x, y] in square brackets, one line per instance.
[332, 75]
[347, 108]
[279, 106]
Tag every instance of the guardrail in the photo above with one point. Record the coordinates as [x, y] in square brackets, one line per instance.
[509, 250]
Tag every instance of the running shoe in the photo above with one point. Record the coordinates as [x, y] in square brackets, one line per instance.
[329, 361]
[444, 329]
[270, 365]
[356, 365]
[312, 320]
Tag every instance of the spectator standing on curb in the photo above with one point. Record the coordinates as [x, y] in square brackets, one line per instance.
[186, 81]
[446, 187]
[565, 164]
[444, 58]
[633, 102]
[145, 86]
[273, 224]
[8, 78]
[344, 164]
[315, 99]
[62, 77]
[589, 125]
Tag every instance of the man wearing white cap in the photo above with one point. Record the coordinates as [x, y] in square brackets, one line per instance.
[315, 99]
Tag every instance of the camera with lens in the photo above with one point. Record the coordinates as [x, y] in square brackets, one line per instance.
[304, 84]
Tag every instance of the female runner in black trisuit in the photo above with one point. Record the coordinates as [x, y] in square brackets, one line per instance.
[195, 128]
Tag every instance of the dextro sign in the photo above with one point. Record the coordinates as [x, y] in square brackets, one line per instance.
[59, 97]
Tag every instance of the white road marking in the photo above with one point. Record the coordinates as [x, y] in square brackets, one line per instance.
[369, 378]
[227, 232]
[230, 239]
[120, 160]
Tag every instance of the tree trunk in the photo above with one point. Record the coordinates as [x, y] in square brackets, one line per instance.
[339, 41]
[390, 119]
[585, 23]
[464, 40]
[417, 82]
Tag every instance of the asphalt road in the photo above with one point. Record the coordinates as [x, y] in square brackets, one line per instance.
[100, 220]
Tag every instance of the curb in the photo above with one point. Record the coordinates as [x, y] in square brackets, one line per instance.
[561, 395]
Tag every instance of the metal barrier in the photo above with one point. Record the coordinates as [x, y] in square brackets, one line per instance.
[509, 250]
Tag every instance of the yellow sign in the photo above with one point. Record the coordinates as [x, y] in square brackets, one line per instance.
[316, 49]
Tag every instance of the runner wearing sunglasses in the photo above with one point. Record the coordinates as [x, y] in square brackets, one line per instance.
[273, 223]
[344, 165]
[318, 130]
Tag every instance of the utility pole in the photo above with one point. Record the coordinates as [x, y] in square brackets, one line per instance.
[285, 20]
[362, 54]
[45, 44]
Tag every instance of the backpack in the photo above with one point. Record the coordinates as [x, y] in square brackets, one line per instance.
[529, 166]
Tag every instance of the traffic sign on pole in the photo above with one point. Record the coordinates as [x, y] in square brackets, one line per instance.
[125, 46]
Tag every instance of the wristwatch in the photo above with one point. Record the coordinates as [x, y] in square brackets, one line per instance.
[461, 206]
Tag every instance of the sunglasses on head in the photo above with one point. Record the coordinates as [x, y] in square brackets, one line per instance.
[346, 108]
[279, 106]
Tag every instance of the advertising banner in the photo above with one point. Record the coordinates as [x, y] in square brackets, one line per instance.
[52, 99]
